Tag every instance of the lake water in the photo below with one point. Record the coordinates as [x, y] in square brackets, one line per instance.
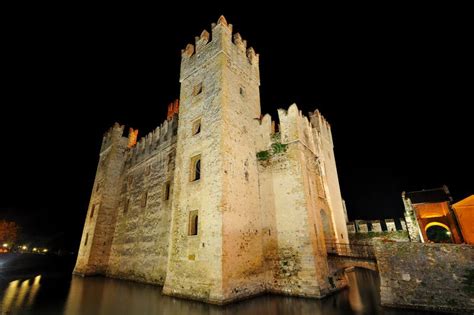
[60, 293]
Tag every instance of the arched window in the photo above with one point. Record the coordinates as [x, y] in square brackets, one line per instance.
[193, 223]
[196, 168]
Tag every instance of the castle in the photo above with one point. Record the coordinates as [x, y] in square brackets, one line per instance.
[219, 203]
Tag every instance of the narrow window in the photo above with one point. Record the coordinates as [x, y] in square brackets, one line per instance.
[130, 180]
[196, 168]
[147, 170]
[87, 238]
[97, 187]
[92, 212]
[167, 190]
[144, 199]
[170, 159]
[193, 223]
[196, 127]
[197, 89]
[125, 206]
[242, 91]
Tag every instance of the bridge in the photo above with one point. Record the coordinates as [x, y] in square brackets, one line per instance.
[345, 255]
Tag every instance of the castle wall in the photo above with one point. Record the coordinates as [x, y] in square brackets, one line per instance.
[195, 261]
[94, 250]
[140, 247]
[438, 277]
[258, 216]
[325, 149]
[243, 261]
[227, 262]
[293, 202]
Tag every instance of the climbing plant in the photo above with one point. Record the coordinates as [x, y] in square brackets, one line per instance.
[263, 155]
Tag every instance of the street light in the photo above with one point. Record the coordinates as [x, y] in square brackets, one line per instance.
[5, 244]
[24, 247]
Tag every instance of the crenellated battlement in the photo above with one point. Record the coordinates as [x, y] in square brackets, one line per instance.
[220, 40]
[294, 126]
[114, 134]
[322, 125]
[162, 136]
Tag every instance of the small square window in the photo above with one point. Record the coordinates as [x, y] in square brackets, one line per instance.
[197, 89]
[197, 126]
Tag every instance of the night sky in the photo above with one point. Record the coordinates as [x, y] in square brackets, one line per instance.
[392, 82]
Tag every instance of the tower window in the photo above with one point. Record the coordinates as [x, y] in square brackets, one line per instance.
[144, 199]
[197, 126]
[125, 206]
[197, 89]
[92, 212]
[242, 91]
[87, 238]
[167, 190]
[193, 223]
[196, 168]
[97, 187]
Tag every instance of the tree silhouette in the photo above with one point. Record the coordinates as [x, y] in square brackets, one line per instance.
[9, 231]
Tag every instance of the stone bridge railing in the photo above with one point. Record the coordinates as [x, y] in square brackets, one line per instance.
[363, 251]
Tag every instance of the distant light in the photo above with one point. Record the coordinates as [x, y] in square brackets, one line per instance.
[45, 250]
[5, 244]
[448, 233]
[24, 247]
[35, 249]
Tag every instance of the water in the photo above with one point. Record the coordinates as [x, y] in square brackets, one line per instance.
[60, 293]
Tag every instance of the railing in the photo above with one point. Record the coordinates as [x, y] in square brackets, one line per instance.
[350, 250]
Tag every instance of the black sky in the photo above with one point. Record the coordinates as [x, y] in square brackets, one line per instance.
[394, 82]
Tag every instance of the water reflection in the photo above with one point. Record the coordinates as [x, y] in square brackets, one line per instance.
[79, 296]
[19, 295]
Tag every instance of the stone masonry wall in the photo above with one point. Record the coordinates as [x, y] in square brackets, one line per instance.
[140, 247]
[426, 276]
[258, 226]
[95, 246]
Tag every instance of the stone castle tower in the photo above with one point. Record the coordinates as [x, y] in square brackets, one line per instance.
[223, 206]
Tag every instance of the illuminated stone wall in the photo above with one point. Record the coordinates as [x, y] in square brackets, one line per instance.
[97, 236]
[140, 244]
[262, 222]
[426, 276]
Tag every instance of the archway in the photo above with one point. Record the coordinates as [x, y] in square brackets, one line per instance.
[438, 232]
